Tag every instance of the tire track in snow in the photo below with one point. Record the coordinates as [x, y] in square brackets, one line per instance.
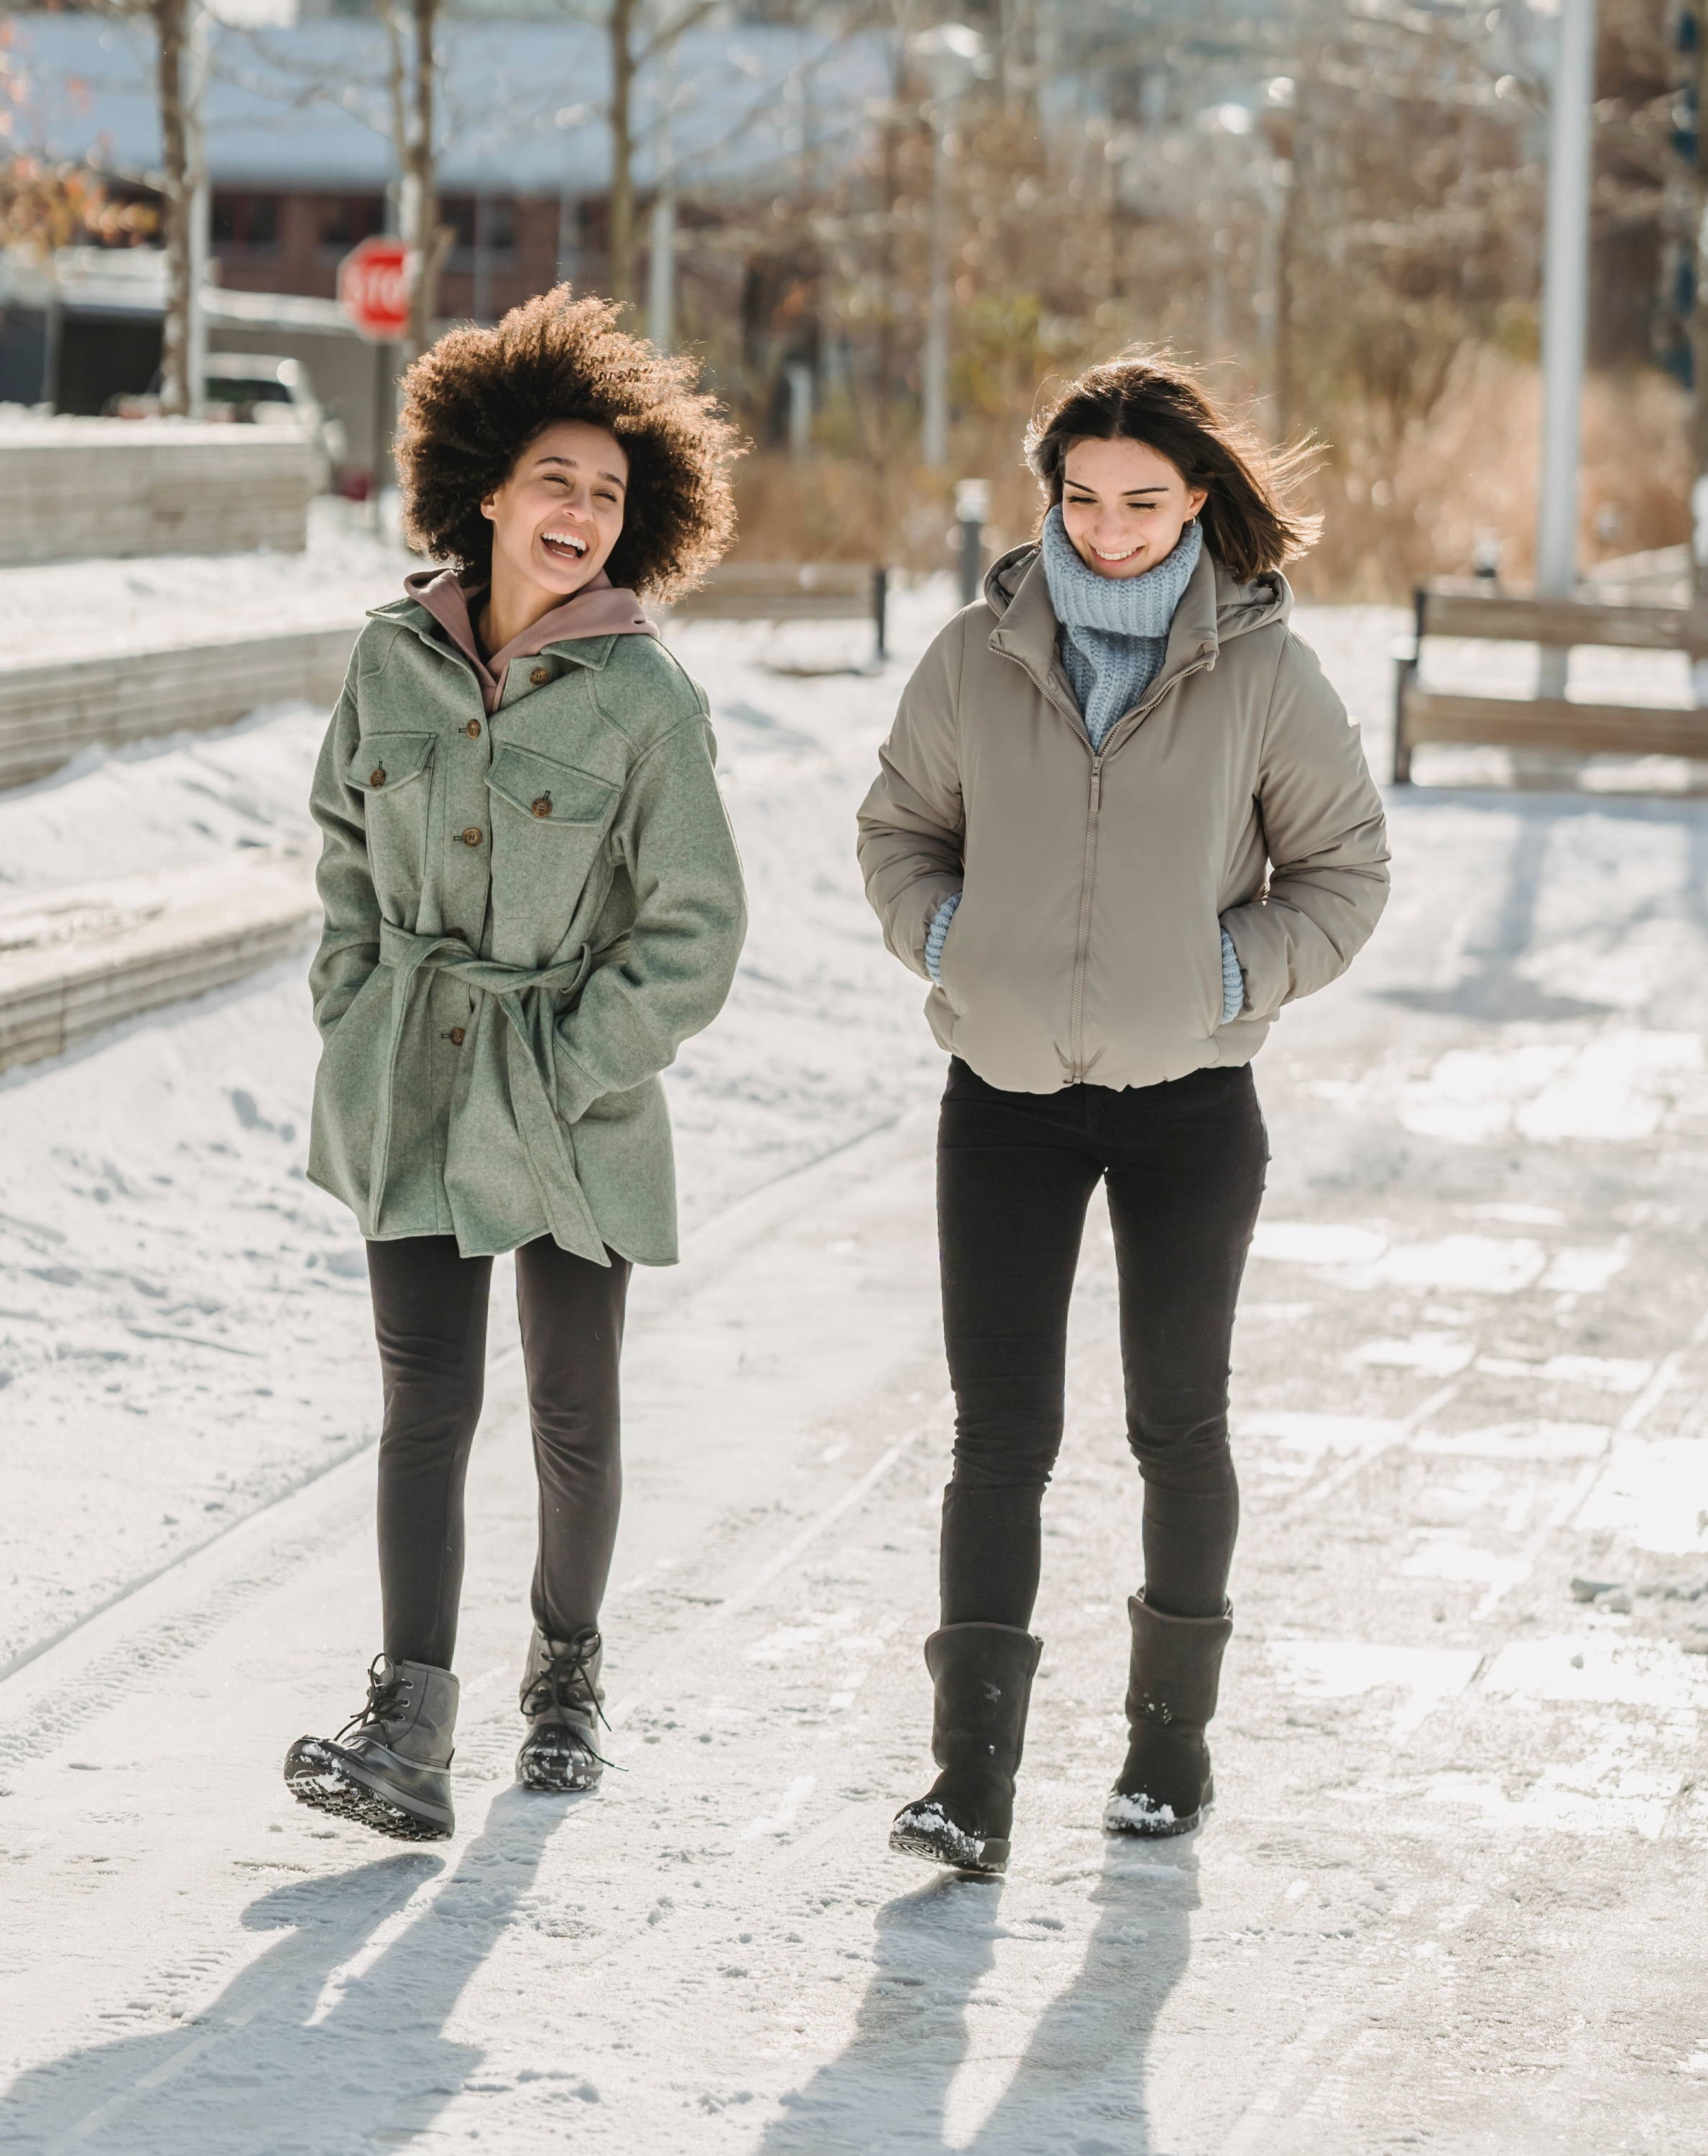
[733, 1227]
[488, 1732]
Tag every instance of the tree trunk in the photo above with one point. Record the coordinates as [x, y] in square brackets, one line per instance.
[1699, 316]
[171, 22]
[622, 27]
[419, 217]
[1284, 384]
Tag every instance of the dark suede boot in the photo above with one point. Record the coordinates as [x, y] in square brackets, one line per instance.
[983, 1676]
[389, 1766]
[1165, 1787]
[563, 1702]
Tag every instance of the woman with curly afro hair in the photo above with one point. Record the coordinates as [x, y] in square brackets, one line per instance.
[532, 898]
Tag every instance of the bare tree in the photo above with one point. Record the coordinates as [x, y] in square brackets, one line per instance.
[635, 47]
[401, 103]
[47, 202]
[171, 29]
[1697, 18]
[414, 79]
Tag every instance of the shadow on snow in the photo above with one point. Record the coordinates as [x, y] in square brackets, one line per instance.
[1077, 2089]
[254, 2074]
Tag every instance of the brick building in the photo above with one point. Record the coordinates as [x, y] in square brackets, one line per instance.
[302, 165]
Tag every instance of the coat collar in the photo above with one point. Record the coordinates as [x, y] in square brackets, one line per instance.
[581, 630]
[1213, 610]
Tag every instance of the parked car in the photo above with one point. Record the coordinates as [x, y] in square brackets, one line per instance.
[252, 389]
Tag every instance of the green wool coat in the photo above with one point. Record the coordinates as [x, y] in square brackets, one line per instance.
[526, 916]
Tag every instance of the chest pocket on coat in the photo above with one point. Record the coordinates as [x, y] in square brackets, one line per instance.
[394, 773]
[548, 822]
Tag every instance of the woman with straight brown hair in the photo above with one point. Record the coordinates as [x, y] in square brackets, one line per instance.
[1121, 820]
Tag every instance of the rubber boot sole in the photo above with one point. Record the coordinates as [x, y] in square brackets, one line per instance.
[553, 1769]
[1150, 1825]
[927, 1831]
[326, 1779]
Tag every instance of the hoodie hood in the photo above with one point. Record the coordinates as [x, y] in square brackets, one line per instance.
[599, 609]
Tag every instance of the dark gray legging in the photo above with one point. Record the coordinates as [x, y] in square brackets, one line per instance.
[1183, 1165]
[430, 1311]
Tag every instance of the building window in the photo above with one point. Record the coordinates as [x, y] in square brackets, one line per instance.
[343, 221]
[250, 221]
[483, 224]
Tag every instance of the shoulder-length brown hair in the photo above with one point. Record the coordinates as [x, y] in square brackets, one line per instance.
[473, 402]
[1249, 523]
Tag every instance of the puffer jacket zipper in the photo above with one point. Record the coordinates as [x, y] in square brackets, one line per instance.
[1120, 732]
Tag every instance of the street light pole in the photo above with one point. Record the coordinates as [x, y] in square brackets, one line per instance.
[1565, 313]
[951, 52]
[934, 417]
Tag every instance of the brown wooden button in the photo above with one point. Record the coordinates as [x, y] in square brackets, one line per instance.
[471, 837]
[377, 777]
[472, 730]
[540, 676]
[456, 1036]
[542, 807]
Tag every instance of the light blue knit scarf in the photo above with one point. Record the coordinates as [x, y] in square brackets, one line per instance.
[1115, 627]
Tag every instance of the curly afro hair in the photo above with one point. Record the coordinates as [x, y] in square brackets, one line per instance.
[473, 403]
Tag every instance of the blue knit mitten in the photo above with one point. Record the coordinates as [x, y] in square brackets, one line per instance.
[937, 933]
[1232, 980]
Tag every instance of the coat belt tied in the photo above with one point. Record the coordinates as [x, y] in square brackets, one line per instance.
[529, 1001]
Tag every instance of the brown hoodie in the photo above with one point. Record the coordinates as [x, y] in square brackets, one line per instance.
[1087, 946]
[599, 609]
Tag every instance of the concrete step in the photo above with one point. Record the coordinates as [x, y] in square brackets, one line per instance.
[78, 961]
[49, 713]
[77, 487]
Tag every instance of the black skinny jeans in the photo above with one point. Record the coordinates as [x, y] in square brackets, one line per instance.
[429, 1311]
[1184, 1165]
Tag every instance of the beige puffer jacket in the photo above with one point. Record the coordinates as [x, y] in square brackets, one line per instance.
[1087, 945]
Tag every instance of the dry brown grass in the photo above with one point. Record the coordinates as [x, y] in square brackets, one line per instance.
[1394, 512]
[1395, 515]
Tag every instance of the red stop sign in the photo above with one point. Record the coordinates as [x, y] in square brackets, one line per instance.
[373, 288]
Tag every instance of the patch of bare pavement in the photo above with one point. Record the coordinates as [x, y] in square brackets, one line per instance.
[1451, 1897]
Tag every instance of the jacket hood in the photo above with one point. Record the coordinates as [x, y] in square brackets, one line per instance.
[1213, 608]
[599, 609]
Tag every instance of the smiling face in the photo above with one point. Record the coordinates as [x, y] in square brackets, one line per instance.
[556, 518]
[1124, 505]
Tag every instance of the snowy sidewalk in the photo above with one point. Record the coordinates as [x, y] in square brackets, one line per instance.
[1452, 1895]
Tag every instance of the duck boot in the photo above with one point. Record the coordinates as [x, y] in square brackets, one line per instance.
[982, 1679]
[563, 1702]
[389, 1766]
[1165, 1787]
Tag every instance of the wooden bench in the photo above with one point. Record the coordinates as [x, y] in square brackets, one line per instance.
[1479, 610]
[792, 591]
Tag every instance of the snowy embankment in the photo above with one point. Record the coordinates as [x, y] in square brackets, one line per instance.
[1453, 1891]
[82, 609]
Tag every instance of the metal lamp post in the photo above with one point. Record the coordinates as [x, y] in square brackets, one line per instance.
[952, 53]
[1565, 313]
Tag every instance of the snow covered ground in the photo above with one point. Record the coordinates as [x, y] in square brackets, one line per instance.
[82, 609]
[1452, 1897]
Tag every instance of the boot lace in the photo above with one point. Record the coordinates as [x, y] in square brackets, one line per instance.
[386, 1691]
[566, 1682]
